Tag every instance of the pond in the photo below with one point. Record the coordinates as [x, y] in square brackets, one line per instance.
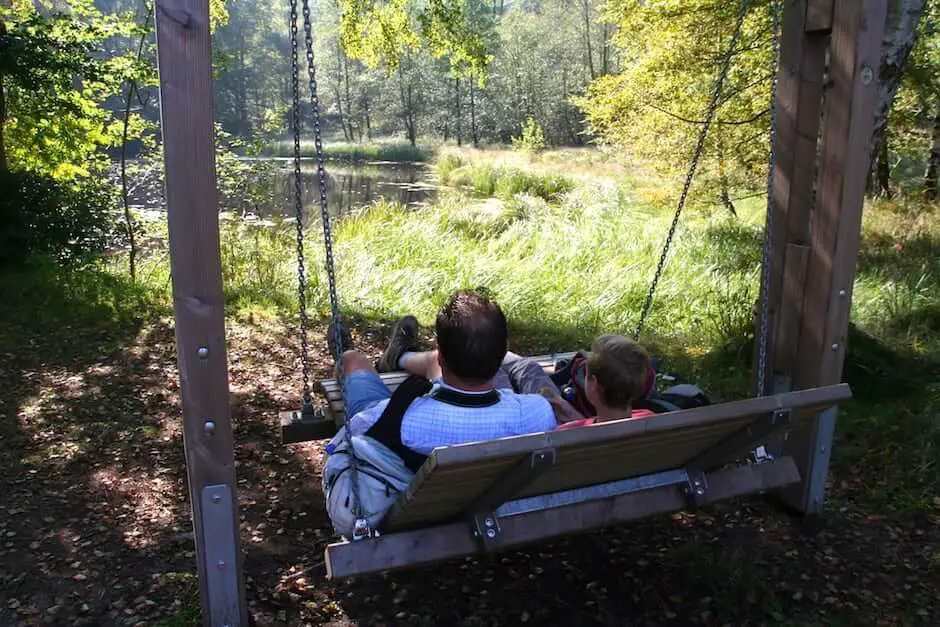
[268, 187]
[349, 185]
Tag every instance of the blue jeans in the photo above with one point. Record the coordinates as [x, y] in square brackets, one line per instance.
[364, 389]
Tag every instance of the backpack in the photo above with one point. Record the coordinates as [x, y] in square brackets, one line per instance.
[386, 465]
[383, 477]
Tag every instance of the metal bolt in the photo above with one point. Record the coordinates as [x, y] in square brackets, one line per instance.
[489, 522]
[867, 75]
[216, 498]
[221, 564]
[842, 293]
[209, 427]
[822, 449]
[203, 352]
[699, 492]
[490, 533]
[835, 346]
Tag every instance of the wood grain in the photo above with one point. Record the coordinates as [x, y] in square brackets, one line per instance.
[192, 213]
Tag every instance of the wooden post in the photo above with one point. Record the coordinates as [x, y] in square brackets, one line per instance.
[819, 187]
[192, 213]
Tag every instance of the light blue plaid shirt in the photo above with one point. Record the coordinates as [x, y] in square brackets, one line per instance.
[429, 423]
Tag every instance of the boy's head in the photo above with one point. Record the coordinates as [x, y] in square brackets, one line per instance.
[618, 369]
[471, 337]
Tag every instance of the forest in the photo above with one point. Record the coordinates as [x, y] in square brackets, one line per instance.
[532, 149]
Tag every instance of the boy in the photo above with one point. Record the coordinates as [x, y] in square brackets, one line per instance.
[616, 373]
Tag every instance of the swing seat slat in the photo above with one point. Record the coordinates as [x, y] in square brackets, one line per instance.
[540, 485]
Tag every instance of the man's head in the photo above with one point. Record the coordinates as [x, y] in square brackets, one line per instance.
[618, 372]
[471, 337]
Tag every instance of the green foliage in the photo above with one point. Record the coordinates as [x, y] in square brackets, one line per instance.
[56, 82]
[532, 138]
[381, 33]
[43, 216]
[655, 105]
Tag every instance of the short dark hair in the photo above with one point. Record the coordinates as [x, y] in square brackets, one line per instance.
[622, 368]
[471, 336]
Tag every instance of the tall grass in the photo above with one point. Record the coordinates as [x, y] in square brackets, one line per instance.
[485, 179]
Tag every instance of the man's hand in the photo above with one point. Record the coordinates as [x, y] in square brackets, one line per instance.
[564, 411]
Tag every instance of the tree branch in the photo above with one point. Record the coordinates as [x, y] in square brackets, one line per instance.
[749, 120]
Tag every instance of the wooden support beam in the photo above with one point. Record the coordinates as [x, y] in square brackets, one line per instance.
[799, 104]
[813, 279]
[818, 16]
[425, 546]
[192, 213]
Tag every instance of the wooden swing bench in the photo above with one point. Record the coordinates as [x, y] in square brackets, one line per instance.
[491, 495]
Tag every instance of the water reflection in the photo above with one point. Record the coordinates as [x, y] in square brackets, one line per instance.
[266, 187]
[349, 186]
[352, 186]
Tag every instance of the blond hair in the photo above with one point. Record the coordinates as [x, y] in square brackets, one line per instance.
[621, 367]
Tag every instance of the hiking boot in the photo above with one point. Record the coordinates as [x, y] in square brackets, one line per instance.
[404, 338]
[345, 338]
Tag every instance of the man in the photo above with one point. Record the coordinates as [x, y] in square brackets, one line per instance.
[463, 405]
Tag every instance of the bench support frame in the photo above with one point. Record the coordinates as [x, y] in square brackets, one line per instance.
[537, 518]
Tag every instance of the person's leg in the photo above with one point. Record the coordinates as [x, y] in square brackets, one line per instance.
[421, 363]
[362, 384]
[526, 375]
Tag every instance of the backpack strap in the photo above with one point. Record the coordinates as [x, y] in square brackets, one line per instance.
[387, 429]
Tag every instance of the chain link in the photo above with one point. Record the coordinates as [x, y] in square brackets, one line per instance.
[299, 212]
[699, 149]
[764, 332]
[361, 528]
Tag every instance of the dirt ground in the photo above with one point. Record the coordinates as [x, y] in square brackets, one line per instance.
[95, 526]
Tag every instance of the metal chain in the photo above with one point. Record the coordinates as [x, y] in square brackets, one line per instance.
[361, 529]
[699, 149]
[764, 331]
[299, 212]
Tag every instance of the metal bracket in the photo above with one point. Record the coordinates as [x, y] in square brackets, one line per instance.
[726, 450]
[484, 523]
[220, 548]
[310, 423]
[695, 487]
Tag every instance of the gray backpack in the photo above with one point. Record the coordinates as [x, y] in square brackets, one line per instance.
[383, 477]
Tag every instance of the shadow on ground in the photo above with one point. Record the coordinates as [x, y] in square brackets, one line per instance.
[96, 530]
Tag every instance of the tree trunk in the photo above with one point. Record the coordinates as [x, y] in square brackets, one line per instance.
[586, 14]
[900, 32]
[349, 111]
[473, 115]
[241, 89]
[457, 117]
[3, 112]
[368, 118]
[884, 170]
[407, 114]
[125, 196]
[605, 51]
[933, 163]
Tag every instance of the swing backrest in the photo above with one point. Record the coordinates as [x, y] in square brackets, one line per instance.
[454, 478]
